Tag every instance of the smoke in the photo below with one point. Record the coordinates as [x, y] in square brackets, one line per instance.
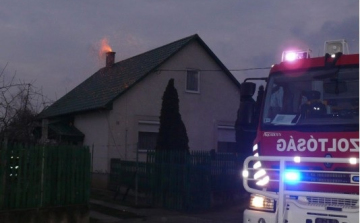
[104, 47]
[98, 51]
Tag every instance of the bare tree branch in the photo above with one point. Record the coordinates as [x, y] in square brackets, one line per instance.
[20, 102]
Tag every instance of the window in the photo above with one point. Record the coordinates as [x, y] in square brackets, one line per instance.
[227, 147]
[147, 134]
[312, 97]
[147, 140]
[226, 139]
[193, 81]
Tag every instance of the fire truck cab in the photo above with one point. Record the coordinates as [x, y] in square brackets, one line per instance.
[305, 163]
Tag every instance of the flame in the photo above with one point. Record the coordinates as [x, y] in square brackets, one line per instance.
[104, 47]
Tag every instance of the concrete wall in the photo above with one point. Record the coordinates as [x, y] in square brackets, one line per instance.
[95, 127]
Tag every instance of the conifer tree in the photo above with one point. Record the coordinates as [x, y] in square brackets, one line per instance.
[172, 131]
[172, 149]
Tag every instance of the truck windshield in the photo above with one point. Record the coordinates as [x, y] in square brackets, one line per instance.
[313, 97]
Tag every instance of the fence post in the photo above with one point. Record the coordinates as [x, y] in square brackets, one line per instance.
[42, 175]
[3, 167]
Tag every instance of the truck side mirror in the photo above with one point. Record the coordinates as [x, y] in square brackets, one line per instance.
[247, 89]
[247, 104]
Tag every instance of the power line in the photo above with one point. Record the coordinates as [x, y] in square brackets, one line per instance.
[242, 69]
[256, 68]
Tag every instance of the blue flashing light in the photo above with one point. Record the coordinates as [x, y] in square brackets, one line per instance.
[355, 179]
[292, 177]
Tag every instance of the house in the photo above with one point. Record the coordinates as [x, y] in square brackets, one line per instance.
[116, 110]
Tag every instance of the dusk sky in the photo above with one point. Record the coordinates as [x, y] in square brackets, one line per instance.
[55, 44]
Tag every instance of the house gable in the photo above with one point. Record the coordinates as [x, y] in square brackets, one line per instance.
[106, 85]
[215, 105]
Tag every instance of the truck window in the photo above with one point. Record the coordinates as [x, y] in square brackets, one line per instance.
[313, 98]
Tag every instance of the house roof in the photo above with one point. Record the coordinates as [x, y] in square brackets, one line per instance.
[60, 128]
[109, 83]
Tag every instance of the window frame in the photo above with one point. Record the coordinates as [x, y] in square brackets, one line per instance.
[148, 133]
[226, 147]
[150, 127]
[197, 73]
[226, 138]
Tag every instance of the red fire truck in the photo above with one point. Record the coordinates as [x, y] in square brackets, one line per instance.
[305, 163]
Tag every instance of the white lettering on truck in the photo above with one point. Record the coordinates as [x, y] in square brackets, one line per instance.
[323, 144]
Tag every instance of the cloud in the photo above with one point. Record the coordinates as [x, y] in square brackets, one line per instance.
[53, 42]
[347, 29]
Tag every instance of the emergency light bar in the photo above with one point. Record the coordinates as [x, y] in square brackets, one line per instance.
[336, 46]
[292, 177]
[295, 55]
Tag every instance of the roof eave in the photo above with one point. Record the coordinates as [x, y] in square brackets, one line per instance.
[218, 61]
[106, 107]
[155, 68]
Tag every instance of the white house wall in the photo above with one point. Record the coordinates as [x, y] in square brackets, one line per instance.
[202, 113]
[95, 128]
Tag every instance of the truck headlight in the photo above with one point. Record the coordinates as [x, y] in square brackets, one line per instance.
[262, 203]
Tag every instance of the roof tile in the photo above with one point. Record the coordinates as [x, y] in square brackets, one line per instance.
[108, 83]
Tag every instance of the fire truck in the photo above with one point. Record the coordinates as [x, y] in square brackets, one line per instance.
[305, 162]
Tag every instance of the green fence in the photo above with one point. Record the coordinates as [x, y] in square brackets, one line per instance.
[123, 173]
[178, 180]
[38, 176]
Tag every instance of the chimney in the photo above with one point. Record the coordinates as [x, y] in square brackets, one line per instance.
[110, 58]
